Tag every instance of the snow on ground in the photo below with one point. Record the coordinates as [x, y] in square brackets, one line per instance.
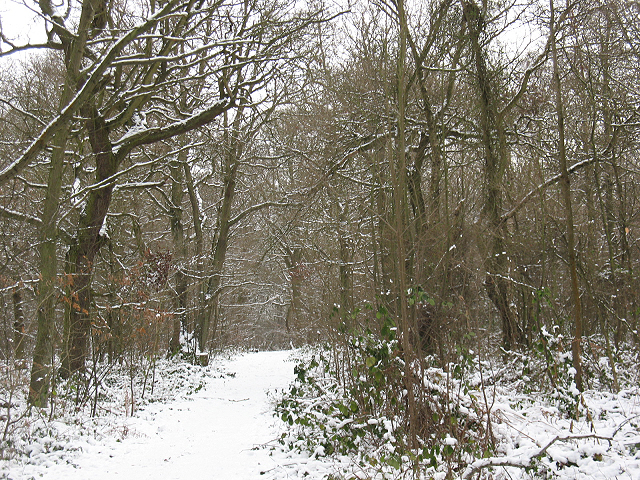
[604, 444]
[218, 424]
[217, 433]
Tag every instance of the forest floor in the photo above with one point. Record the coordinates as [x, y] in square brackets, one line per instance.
[218, 423]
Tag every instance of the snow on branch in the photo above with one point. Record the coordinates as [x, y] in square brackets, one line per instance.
[141, 59]
[101, 184]
[22, 217]
[138, 137]
[31, 220]
[83, 94]
[254, 208]
[22, 111]
[575, 167]
[133, 186]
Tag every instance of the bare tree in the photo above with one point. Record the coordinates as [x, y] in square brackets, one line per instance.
[111, 94]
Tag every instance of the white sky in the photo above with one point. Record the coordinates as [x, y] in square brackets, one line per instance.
[20, 23]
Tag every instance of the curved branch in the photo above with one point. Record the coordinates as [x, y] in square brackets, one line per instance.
[137, 138]
[255, 208]
[35, 221]
[575, 167]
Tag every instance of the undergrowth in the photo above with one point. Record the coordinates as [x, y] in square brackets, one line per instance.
[33, 435]
[352, 401]
[349, 399]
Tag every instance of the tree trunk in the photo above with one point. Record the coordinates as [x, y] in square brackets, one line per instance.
[496, 159]
[19, 336]
[565, 186]
[46, 299]
[383, 265]
[293, 260]
[197, 226]
[90, 238]
[220, 244]
[399, 176]
[180, 251]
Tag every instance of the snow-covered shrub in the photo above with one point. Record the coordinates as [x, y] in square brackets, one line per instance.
[13, 375]
[351, 399]
[547, 369]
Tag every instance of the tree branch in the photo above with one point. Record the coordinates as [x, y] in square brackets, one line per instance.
[137, 138]
[83, 94]
[21, 217]
[254, 208]
[556, 178]
[35, 221]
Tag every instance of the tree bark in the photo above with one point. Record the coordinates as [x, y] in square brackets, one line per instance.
[90, 238]
[565, 185]
[180, 251]
[293, 260]
[210, 317]
[46, 299]
[399, 176]
[496, 160]
[19, 336]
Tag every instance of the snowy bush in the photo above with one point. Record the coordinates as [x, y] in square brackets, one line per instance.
[514, 417]
[354, 402]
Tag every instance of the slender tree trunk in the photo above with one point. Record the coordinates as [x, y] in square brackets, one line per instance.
[293, 259]
[19, 336]
[496, 159]
[220, 244]
[114, 322]
[422, 219]
[71, 302]
[345, 270]
[604, 320]
[622, 304]
[199, 252]
[565, 186]
[383, 267]
[180, 251]
[346, 276]
[210, 321]
[399, 175]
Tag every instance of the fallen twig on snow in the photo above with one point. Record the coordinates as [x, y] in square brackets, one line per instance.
[522, 461]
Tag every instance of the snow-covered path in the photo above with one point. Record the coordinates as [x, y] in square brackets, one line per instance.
[211, 435]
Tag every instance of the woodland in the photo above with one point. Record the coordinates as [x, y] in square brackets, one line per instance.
[402, 184]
